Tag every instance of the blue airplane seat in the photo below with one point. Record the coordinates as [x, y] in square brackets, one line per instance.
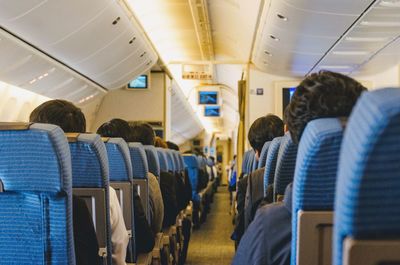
[152, 160]
[367, 208]
[314, 182]
[285, 165]
[270, 163]
[162, 158]
[191, 163]
[36, 196]
[263, 155]
[90, 171]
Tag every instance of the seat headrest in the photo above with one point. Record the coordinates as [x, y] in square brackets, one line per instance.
[89, 161]
[270, 163]
[176, 160]
[170, 159]
[119, 159]
[35, 158]
[140, 167]
[316, 169]
[263, 155]
[191, 161]
[152, 159]
[245, 162]
[285, 164]
[369, 171]
[162, 158]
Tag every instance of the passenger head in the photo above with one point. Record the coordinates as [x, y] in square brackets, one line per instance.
[115, 128]
[158, 142]
[142, 132]
[264, 129]
[172, 146]
[62, 113]
[321, 95]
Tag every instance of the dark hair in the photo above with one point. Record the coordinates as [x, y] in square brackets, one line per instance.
[264, 129]
[321, 95]
[172, 146]
[116, 128]
[142, 132]
[62, 113]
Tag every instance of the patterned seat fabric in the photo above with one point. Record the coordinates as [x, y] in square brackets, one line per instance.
[245, 162]
[270, 163]
[250, 161]
[162, 158]
[191, 163]
[177, 162]
[152, 160]
[170, 159]
[90, 170]
[369, 172]
[139, 160]
[316, 170]
[285, 165]
[36, 205]
[119, 159]
[263, 155]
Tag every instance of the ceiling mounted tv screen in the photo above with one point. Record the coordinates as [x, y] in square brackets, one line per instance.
[208, 97]
[141, 82]
[212, 111]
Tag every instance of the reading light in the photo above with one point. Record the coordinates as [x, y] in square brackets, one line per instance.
[380, 23]
[282, 17]
[390, 3]
[366, 39]
[350, 52]
[274, 38]
[267, 53]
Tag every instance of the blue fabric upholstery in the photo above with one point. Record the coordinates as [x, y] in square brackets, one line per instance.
[162, 158]
[139, 161]
[285, 164]
[263, 155]
[191, 163]
[316, 168]
[175, 155]
[152, 160]
[369, 172]
[170, 159]
[90, 169]
[120, 166]
[270, 163]
[255, 164]
[36, 205]
[181, 166]
[250, 162]
[245, 162]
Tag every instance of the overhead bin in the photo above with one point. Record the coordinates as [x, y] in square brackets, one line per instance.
[27, 68]
[98, 38]
[185, 124]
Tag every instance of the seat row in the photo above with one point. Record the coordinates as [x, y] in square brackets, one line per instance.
[40, 169]
[346, 184]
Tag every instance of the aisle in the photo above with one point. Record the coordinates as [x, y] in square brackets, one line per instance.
[211, 244]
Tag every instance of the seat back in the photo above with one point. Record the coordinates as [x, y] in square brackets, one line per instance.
[120, 168]
[36, 195]
[314, 192]
[90, 181]
[250, 161]
[140, 178]
[191, 163]
[245, 162]
[285, 166]
[152, 160]
[270, 163]
[162, 158]
[367, 208]
[170, 159]
[263, 155]
[175, 156]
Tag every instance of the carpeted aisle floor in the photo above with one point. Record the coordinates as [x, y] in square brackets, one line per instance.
[211, 244]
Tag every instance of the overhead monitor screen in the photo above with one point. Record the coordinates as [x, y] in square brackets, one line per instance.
[140, 82]
[287, 94]
[212, 111]
[208, 97]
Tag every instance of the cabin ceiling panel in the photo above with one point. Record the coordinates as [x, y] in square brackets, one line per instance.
[82, 35]
[27, 68]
